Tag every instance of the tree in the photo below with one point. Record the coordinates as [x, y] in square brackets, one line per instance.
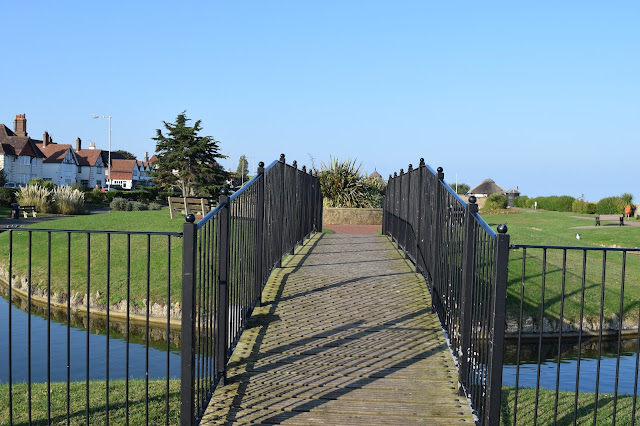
[121, 153]
[3, 178]
[187, 160]
[242, 173]
[462, 188]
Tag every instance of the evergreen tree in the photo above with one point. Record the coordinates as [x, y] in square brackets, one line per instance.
[187, 160]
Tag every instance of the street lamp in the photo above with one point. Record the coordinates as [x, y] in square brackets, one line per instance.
[107, 117]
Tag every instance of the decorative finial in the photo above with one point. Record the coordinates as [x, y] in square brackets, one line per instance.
[190, 218]
[410, 167]
[440, 170]
[395, 174]
[422, 162]
[502, 229]
[282, 158]
[401, 172]
[304, 169]
[261, 164]
[224, 191]
[472, 199]
[295, 164]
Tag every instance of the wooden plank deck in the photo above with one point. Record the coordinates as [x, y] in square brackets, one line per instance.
[346, 336]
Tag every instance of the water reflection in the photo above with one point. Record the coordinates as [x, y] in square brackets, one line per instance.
[158, 355]
[569, 364]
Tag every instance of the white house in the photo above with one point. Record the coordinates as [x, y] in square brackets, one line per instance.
[20, 157]
[60, 164]
[91, 167]
[123, 172]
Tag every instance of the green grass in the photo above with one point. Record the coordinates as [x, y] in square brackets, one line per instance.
[328, 231]
[554, 228]
[97, 402]
[156, 246]
[5, 211]
[546, 405]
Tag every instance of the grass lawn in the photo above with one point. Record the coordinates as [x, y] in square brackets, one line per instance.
[149, 256]
[565, 416]
[554, 228]
[97, 402]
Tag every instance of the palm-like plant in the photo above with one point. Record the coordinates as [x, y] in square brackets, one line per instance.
[342, 184]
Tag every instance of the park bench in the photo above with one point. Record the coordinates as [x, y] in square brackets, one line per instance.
[610, 218]
[186, 205]
[28, 209]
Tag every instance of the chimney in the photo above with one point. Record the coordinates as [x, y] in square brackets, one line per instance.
[20, 125]
[46, 139]
[146, 157]
[78, 144]
[92, 145]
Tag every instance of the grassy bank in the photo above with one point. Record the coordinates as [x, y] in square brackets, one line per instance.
[97, 402]
[565, 408]
[150, 258]
[554, 228]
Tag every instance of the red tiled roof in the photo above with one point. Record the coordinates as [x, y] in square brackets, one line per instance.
[10, 144]
[121, 175]
[122, 165]
[88, 157]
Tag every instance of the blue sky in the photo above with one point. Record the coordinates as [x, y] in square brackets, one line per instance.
[541, 95]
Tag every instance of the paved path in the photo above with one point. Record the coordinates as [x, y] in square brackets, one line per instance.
[346, 336]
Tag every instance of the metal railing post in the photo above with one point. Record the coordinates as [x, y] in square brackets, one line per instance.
[260, 232]
[419, 236]
[468, 272]
[222, 309]
[498, 314]
[396, 210]
[281, 242]
[293, 225]
[187, 351]
[407, 227]
[437, 243]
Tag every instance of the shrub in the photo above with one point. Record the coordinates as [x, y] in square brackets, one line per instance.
[611, 205]
[42, 183]
[95, 197]
[590, 208]
[555, 203]
[137, 206]
[68, 200]
[342, 184]
[7, 196]
[120, 204]
[35, 195]
[495, 202]
[374, 192]
[154, 206]
[520, 201]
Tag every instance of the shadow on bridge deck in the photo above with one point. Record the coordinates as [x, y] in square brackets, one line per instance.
[345, 336]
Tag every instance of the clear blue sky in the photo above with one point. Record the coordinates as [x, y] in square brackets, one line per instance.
[544, 95]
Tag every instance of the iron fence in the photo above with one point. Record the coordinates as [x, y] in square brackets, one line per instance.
[228, 256]
[88, 349]
[104, 329]
[465, 264]
[573, 336]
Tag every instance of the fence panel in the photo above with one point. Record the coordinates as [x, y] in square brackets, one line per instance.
[464, 263]
[91, 324]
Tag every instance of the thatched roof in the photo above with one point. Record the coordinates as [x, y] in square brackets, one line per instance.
[488, 186]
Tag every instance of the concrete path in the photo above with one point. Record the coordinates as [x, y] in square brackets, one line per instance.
[346, 336]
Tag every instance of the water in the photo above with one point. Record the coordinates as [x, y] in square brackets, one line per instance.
[78, 338]
[568, 366]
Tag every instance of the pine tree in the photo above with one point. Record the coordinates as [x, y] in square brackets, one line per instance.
[187, 160]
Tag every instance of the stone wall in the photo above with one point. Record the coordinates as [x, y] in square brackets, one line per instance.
[346, 216]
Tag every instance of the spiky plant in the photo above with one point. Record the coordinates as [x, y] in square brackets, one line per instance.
[68, 200]
[342, 184]
[35, 195]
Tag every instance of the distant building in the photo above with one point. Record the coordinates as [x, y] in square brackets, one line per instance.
[486, 188]
[375, 175]
[91, 165]
[60, 164]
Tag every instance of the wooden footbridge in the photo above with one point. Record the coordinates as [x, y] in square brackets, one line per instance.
[345, 335]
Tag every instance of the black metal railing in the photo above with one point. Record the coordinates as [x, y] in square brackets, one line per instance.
[465, 264]
[573, 336]
[228, 256]
[88, 349]
[94, 327]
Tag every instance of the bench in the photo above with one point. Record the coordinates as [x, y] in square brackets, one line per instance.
[610, 218]
[27, 209]
[186, 205]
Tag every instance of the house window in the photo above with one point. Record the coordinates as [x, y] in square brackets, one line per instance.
[25, 160]
[99, 183]
[84, 182]
[79, 169]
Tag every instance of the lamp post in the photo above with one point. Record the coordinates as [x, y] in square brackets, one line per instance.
[107, 117]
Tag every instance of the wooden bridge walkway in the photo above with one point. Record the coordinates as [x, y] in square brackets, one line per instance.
[345, 336]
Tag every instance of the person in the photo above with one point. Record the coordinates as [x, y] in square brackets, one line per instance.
[627, 210]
